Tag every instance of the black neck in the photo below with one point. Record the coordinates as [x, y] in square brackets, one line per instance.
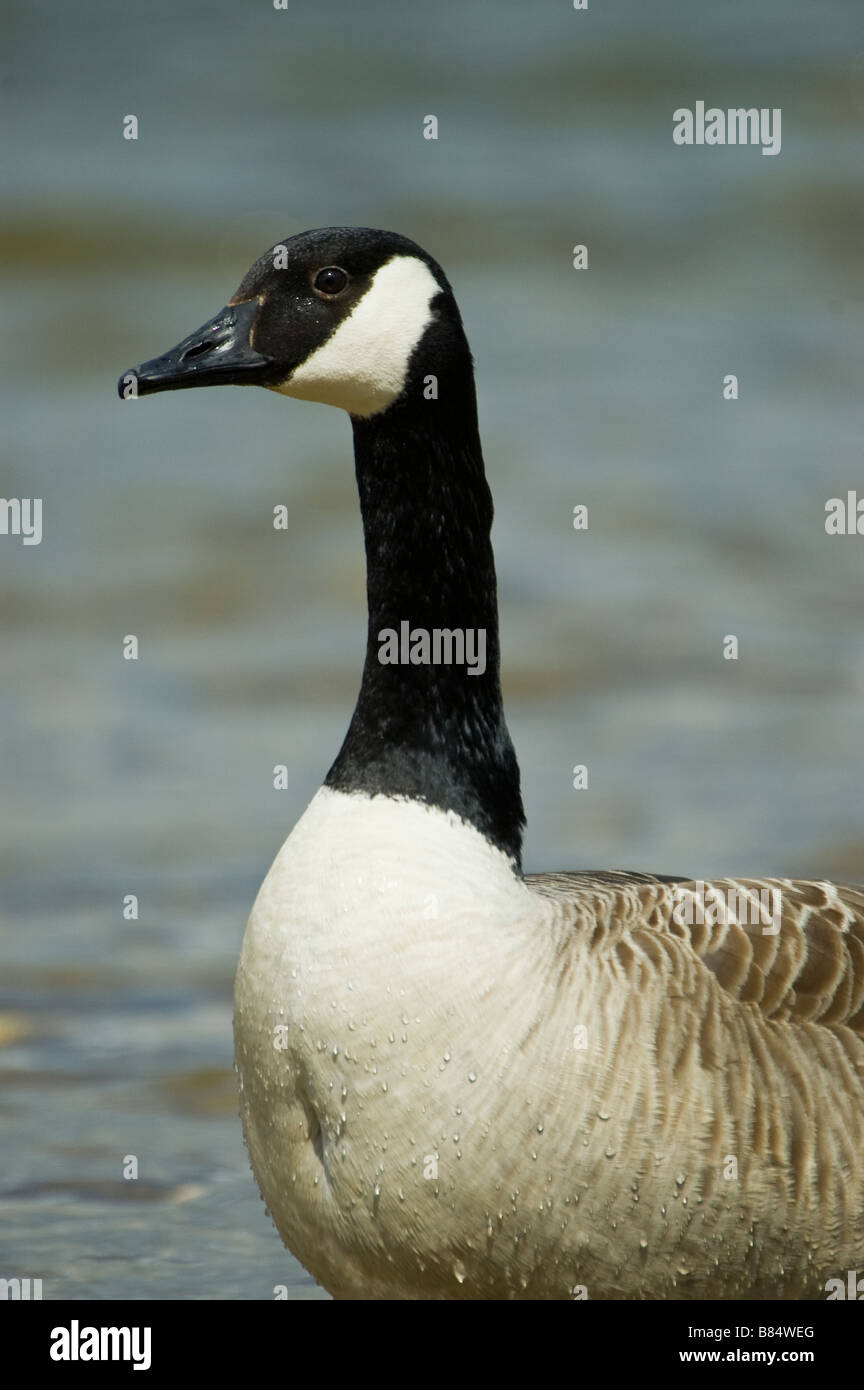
[434, 733]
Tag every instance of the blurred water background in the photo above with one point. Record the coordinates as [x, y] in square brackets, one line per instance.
[601, 387]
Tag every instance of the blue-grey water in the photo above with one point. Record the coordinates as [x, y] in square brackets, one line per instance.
[601, 387]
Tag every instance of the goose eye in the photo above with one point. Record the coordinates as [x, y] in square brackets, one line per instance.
[331, 280]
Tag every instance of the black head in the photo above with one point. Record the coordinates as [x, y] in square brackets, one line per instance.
[336, 315]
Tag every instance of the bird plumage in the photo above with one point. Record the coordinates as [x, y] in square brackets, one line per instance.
[457, 1080]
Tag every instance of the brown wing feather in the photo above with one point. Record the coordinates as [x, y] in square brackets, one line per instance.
[793, 948]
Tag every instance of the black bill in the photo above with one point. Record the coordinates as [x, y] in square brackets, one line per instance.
[218, 354]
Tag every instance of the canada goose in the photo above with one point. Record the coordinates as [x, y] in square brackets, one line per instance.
[462, 1081]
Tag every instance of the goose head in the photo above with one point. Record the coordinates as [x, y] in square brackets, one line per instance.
[337, 315]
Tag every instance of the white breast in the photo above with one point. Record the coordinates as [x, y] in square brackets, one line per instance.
[389, 942]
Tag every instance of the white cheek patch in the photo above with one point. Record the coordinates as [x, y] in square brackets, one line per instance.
[363, 365]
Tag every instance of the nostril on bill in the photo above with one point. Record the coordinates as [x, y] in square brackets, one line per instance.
[196, 350]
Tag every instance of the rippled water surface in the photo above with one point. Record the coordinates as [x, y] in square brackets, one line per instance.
[601, 387]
